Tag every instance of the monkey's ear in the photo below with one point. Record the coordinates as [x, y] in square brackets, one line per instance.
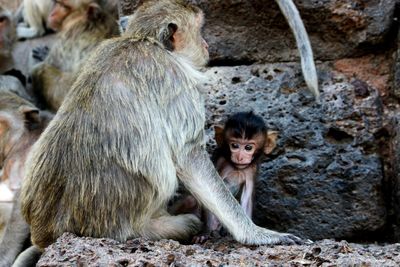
[170, 36]
[219, 134]
[93, 12]
[270, 141]
[30, 114]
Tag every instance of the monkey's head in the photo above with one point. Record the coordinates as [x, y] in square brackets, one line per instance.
[244, 138]
[16, 116]
[7, 33]
[174, 23]
[65, 13]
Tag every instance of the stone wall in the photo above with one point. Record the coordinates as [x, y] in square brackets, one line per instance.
[335, 171]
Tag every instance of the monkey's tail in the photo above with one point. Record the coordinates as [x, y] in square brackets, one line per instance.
[292, 16]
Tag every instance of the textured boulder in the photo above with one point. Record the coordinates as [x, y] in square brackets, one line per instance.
[72, 251]
[394, 159]
[325, 178]
[243, 32]
[396, 70]
[255, 30]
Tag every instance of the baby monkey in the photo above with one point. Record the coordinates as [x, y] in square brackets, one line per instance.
[240, 146]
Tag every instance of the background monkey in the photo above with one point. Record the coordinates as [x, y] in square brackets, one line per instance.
[21, 123]
[240, 145]
[81, 28]
[134, 124]
[35, 15]
[10, 80]
[7, 40]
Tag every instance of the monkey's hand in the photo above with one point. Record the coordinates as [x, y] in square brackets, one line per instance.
[268, 237]
[39, 53]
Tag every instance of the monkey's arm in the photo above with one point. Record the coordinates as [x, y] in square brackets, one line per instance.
[199, 175]
[246, 199]
[51, 83]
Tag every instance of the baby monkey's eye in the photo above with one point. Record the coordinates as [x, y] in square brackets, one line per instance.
[248, 147]
[234, 145]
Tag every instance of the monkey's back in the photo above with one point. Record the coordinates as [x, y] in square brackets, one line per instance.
[106, 161]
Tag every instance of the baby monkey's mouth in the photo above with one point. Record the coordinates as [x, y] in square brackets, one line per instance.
[241, 166]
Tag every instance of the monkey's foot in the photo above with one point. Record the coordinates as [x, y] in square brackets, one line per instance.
[267, 237]
[289, 239]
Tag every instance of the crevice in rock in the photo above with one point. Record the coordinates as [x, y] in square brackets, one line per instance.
[336, 136]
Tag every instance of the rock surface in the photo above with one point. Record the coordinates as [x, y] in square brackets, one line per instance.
[395, 162]
[254, 31]
[72, 251]
[324, 180]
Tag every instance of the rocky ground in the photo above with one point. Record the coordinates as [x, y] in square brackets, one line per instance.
[72, 251]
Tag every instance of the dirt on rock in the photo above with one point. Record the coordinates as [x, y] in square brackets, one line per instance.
[70, 250]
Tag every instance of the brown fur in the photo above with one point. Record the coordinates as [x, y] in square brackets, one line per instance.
[81, 32]
[131, 126]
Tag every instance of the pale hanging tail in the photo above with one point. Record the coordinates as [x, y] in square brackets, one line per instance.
[292, 16]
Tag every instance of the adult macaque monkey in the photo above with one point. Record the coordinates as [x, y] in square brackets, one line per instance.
[21, 123]
[240, 145]
[82, 25]
[133, 124]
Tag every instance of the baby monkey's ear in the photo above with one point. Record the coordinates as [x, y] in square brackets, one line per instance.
[270, 141]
